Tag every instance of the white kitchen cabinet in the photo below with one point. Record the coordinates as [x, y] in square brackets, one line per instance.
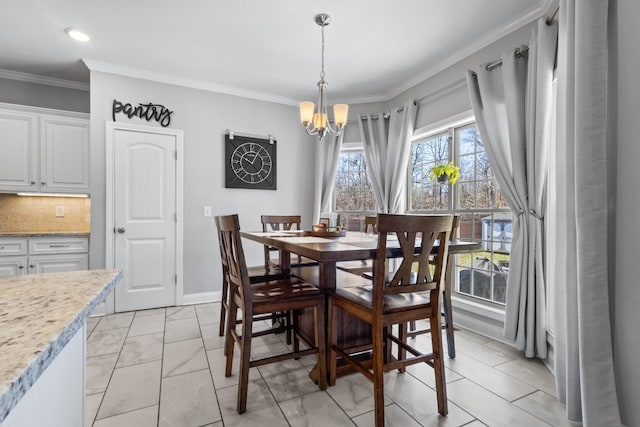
[64, 153]
[19, 145]
[43, 255]
[13, 265]
[43, 150]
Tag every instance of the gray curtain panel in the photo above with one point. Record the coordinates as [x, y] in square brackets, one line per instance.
[583, 345]
[513, 105]
[386, 139]
[327, 156]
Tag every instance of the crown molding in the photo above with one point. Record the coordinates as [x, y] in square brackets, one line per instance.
[481, 43]
[43, 80]
[127, 71]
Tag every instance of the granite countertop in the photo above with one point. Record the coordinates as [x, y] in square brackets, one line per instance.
[44, 233]
[39, 314]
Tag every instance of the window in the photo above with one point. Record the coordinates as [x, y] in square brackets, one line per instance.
[353, 194]
[484, 214]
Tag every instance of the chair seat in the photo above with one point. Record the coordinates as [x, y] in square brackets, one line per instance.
[261, 273]
[363, 295]
[274, 290]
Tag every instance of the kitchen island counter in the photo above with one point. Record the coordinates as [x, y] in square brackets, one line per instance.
[39, 315]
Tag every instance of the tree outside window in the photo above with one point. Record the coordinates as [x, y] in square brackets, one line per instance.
[476, 198]
[353, 195]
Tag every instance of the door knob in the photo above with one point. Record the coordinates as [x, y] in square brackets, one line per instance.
[121, 230]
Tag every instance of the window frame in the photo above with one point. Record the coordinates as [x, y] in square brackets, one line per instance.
[450, 126]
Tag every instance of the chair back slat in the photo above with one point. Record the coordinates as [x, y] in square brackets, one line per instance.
[419, 269]
[276, 223]
[371, 222]
[231, 243]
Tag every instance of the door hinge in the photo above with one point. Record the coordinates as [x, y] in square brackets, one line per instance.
[176, 153]
[176, 279]
[175, 217]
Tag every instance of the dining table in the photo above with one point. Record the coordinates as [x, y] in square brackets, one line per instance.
[324, 252]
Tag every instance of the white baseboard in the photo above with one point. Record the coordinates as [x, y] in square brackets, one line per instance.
[201, 298]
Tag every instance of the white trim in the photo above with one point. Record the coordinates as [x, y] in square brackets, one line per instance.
[444, 124]
[110, 128]
[479, 318]
[42, 110]
[202, 297]
[123, 70]
[43, 80]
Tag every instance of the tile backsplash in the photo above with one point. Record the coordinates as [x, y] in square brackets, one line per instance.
[38, 214]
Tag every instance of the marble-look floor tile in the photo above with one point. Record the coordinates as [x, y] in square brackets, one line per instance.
[180, 312]
[98, 372]
[394, 416]
[288, 385]
[92, 322]
[92, 403]
[208, 313]
[145, 417]
[314, 409]
[217, 363]
[114, 321]
[211, 337]
[354, 394]
[545, 407]
[505, 386]
[481, 339]
[183, 356]
[132, 387]
[487, 355]
[151, 312]
[476, 423]
[531, 371]
[262, 410]
[181, 329]
[420, 401]
[143, 325]
[106, 341]
[426, 374]
[489, 408]
[188, 400]
[141, 349]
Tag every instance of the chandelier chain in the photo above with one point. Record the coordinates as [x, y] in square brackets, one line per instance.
[322, 55]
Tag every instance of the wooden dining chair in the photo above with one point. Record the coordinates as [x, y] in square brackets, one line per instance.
[412, 292]
[364, 266]
[258, 273]
[289, 294]
[447, 313]
[279, 223]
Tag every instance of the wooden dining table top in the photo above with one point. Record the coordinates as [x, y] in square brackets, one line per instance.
[354, 245]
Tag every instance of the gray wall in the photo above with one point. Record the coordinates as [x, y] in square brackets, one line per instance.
[627, 268]
[38, 95]
[204, 117]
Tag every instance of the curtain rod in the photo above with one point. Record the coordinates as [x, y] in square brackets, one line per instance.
[550, 19]
[386, 114]
[523, 50]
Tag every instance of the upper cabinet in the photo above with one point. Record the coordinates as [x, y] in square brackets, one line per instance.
[44, 152]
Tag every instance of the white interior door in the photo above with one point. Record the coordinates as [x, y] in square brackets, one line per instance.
[145, 214]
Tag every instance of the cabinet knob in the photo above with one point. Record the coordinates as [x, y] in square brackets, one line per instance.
[43, 183]
[33, 183]
[32, 266]
[121, 230]
[21, 267]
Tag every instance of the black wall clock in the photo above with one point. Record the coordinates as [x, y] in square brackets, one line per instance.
[250, 162]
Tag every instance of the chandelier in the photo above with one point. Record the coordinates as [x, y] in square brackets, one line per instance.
[316, 122]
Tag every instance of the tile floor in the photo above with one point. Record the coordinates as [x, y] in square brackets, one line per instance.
[165, 367]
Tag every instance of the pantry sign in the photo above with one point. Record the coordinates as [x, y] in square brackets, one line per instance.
[148, 111]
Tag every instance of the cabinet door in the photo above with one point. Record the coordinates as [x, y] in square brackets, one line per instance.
[13, 266]
[57, 263]
[18, 151]
[65, 155]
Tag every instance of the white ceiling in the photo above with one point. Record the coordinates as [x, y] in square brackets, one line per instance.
[375, 49]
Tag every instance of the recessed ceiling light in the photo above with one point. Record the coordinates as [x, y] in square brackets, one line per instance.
[76, 34]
